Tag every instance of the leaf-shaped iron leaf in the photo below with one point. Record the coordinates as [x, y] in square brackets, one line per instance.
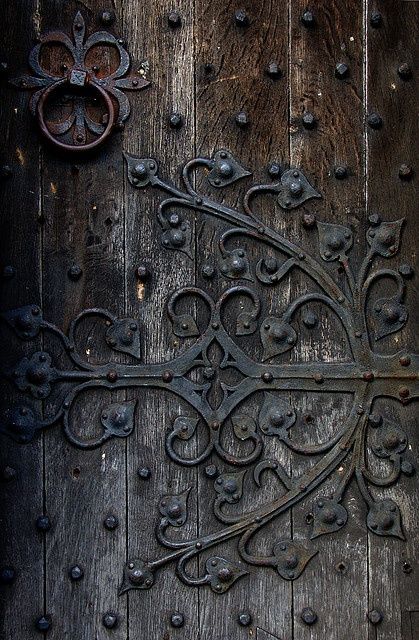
[174, 508]
[276, 416]
[292, 558]
[277, 337]
[222, 573]
[294, 189]
[230, 486]
[26, 321]
[390, 316]
[179, 239]
[244, 426]
[137, 575]
[384, 519]
[329, 516]
[235, 265]
[141, 171]
[384, 239]
[184, 326]
[124, 336]
[226, 170]
[118, 418]
[184, 427]
[335, 240]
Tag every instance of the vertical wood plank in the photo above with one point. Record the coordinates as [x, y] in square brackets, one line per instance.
[169, 52]
[231, 71]
[21, 482]
[394, 97]
[335, 583]
[83, 210]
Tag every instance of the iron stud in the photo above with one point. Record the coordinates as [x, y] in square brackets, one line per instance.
[174, 19]
[374, 120]
[43, 523]
[142, 272]
[341, 172]
[375, 616]
[308, 19]
[7, 575]
[110, 620]
[308, 616]
[74, 272]
[5, 171]
[9, 272]
[76, 573]
[177, 620]
[274, 170]
[376, 19]
[273, 70]
[245, 619]
[405, 172]
[43, 623]
[241, 119]
[308, 120]
[241, 18]
[404, 71]
[341, 70]
[107, 18]
[175, 120]
[8, 474]
[111, 522]
[144, 473]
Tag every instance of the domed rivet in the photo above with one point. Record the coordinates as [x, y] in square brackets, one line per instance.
[405, 172]
[43, 623]
[244, 619]
[273, 70]
[374, 219]
[405, 361]
[368, 376]
[112, 376]
[404, 71]
[111, 522]
[241, 119]
[241, 18]
[318, 378]
[308, 119]
[341, 70]
[110, 620]
[177, 620]
[76, 573]
[267, 376]
[308, 19]
[107, 18]
[174, 19]
[75, 272]
[404, 392]
[407, 567]
[144, 473]
[175, 120]
[8, 474]
[211, 471]
[308, 616]
[167, 376]
[43, 523]
[7, 575]
[142, 272]
[274, 170]
[308, 220]
[376, 19]
[341, 172]
[375, 616]
[374, 120]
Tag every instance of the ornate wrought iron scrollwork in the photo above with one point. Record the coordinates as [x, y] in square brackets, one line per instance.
[80, 129]
[367, 375]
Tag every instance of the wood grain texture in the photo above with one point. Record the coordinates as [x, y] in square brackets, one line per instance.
[21, 545]
[391, 590]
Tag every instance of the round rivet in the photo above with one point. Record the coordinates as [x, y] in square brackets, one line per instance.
[341, 172]
[75, 272]
[374, 120]
[107, 17]
[244, 619]
[404, 71]
[211, 471]
[177, 620]
[5, 171]
[76, 573]
[318, 378]
[111, 522]
[175, 120]
[273, 70]
[7, 575]
[308, 120]
[308, 616]
[341, 70]
[241, 18]
[112, 376]
[405, 361]
[308, 220]
[43, 523]
[174, 19]
[404, 392]
[43, 623]
[405, 172]
[110, 620]
[376, 19]
[375, 616]
[308, 19]
[167, 376]
[144, 473]
[267, 376]
[241, 119]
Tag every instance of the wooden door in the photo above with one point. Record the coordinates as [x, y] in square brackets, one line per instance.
[208, 324]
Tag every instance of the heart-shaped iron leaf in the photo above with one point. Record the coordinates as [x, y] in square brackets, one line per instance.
[329, 516]
[184, 427]
[222, 573]
[276, 416]
[389, 315]
[244, 426]
[292, 558]
[226, 170]
[141, 171]
[294, 189]
[384, 239]
[230, 486]
[118, 418]
[124, 336]
[277, 337]
[174, 508]
[335, 240]
[384, 519]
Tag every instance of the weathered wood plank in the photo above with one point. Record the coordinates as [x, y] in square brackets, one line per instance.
[169, 51]
[335, 583]
[231, 71]
[21, 494]
[83, 210]
[394, 97]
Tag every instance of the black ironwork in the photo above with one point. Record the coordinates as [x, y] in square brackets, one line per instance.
[367, 375]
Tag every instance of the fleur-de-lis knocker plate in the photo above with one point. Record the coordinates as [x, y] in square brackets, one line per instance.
[77, 106]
